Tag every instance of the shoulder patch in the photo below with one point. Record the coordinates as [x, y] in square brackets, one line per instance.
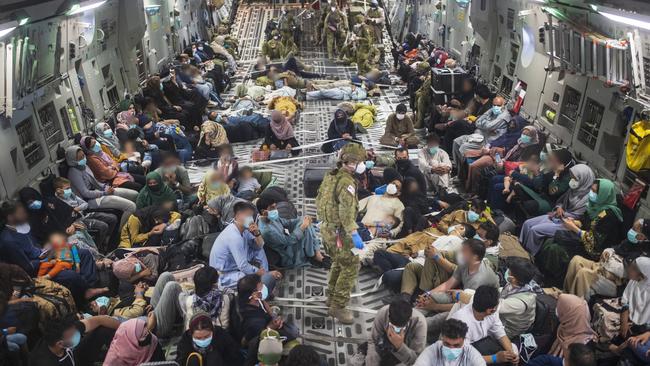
[351, 189]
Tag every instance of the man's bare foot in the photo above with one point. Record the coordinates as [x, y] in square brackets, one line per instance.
[92, 292]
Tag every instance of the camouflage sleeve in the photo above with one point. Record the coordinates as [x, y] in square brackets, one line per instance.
[348, 204]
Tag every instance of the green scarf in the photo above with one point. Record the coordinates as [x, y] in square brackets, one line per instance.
[606, 200]
[148, 197]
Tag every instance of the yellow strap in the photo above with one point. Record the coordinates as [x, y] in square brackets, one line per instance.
[187, 362]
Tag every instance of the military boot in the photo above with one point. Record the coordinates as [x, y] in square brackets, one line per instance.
[341, 314]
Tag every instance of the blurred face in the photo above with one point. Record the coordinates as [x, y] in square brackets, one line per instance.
[553, 162]
[247, 174]
[634, 273]
[594, 187]
[468, 255]
[528, 133]
[413, 187]
[19, 217]
[216, 178]
[467, 86]
[638, 228]
[401, 155]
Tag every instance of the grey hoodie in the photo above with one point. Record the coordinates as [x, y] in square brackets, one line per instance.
[82, 180]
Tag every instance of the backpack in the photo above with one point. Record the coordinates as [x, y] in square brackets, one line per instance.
[607, 318]
[181, 255]
[637, 151]
[545, 318]
[287, 210]
[236, 320]
[54, 301]
[510, 247]
[46, 185]
[194, 227]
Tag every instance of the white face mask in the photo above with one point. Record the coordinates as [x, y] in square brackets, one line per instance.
[23, 228]
[574, 184]
[400, 116]
[391, 189]
[333, 9]
[460, 259]
[361, 168]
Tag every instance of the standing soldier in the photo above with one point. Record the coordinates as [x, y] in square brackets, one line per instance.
[337, 209]
[376, 18]
[335, 28]
[424, 95]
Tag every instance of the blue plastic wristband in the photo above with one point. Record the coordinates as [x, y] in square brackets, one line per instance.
[436, 257]
[494, 358]
[458, 296]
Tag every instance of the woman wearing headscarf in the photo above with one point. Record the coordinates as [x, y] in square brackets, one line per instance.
[342, 129]
[105, 169]
[155, 193]
[572, 205]
[575, 324]
[280, 135]
[212, 137]
[147, 226]
[98, 195]
[227, 165]
[554, 185]
[588, 236]
[206, 344]
[133, 344]
[603, 277]
[220, 211]
[212, 186]
[46, 217]
[108, 141]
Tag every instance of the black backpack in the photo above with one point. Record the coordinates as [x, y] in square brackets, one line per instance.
[236, 321]
[181, 255]
[545, 318]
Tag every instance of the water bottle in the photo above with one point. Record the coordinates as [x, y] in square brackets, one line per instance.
[497, 158]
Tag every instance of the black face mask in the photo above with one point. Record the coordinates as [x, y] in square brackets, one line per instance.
[403, 163]
[145, 342]
[155, 187]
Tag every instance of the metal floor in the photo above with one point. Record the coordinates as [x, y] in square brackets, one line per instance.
[335, 341]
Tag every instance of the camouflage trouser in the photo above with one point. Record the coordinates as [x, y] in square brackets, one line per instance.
[345, 266]
[422, 107]
[426, 277]
[333, 44]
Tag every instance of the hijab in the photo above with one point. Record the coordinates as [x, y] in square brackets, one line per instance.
[637, 294]
[575, 324]
[341, 121]
[112, 143]
[150, 197]
[215, 131]
[71, 157]
[282, 129]
[225, 204]
[575, 200]
[516, 151]
[512, 135]
[147, 216]
[125, 349]
[606, 200]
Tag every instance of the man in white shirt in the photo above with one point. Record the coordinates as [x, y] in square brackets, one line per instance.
[452, 349]
[485, 327]
[435, 164]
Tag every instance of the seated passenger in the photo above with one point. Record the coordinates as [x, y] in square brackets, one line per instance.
[486, 332]
[149, 227]
[501, 191]
[98, 195]
[574, 324]
[518, 297]
[341, 128]
[399, 129]
[435, 164]
[227, 165]
[207, 299]
[578, 355]
[70, 341]
[398, 335]
[212, 137]
[212, 186]
[406, 168]
[280, 135]
[134, 344]
[248, 187]
[154, 91]
[108, 140]
[155, 193]
[221, 211]
[238, 250]
[588, 235]
[175, 175]
[206, 344]
[585, 277]
[452, 348]
[293, 239]
[571, 205]
[105, 169]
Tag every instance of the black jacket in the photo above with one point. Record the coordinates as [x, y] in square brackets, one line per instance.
[222, 351]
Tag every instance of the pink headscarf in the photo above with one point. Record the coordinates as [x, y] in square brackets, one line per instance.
[124, 350]
[281, 128]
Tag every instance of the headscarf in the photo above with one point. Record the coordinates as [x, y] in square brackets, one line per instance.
[148, 197]
[512, 135]
[637, 294]
[575, 324]
[147, 217]
[341, 121]
[125, 350]
[71, 157]
[282, 129]
[209, 191]
[112, 143]
[515, 151]
[606, 200]
[123, 119]
[575, 200]
[225, 204]
[215, 131]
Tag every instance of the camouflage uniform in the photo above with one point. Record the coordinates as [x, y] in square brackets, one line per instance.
[273, 48]
[367, 52]
[335, 28]
[423, 97]
[376, 19]
[337, 208]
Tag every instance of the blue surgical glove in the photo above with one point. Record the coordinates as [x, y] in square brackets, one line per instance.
[356, 239]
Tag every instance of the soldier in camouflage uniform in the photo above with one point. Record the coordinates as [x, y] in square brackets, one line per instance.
[376, 19]
[337, 209]
[273, 47]
[423, 96]
[335, 28]
[367, 52]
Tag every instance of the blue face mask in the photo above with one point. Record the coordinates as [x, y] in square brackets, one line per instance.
[451, 229]
[593, 196]
[451, 354]
[631, 236]
[202, 343]
[74, 341]
[215, 185]
[273, 215]
[108, 133]
[248, 221]
[478, 237]
[97, 148]
[132, 127]
[396, 329]
[161, 87]
[525, 139]
[67, 193]
[496, 110]
[433, 150]
[542, 156]
[82, 162]
[264, 292]
[103, 301]
[137, 267]
[472, 216]
[370, 164]
[36, 205]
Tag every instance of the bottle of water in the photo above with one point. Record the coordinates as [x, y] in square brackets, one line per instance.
[497, 158]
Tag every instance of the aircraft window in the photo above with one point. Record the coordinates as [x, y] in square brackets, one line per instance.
[590, 126]
[646, 71]
[32, 150]
[570, 108]
[506, 86]
[528, 46]
[50, 125]
[483, 5]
